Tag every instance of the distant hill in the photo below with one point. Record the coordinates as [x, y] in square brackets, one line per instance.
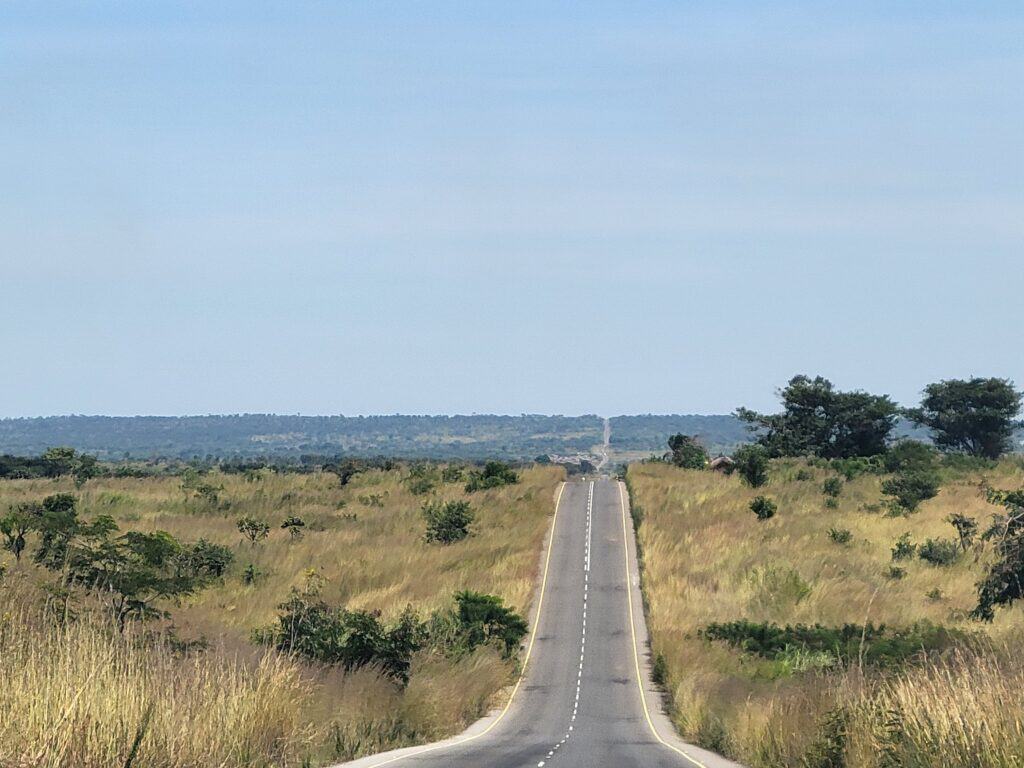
[719, 434]
[441, 437]
[466, 437]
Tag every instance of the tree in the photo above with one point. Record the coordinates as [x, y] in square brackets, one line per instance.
[16, 524]
[85, 469]
[1004, 583]
[57, 523]
[973, 416]
[132, 571]
[252, 529]
[294, 526]
[484, 618]
[751, 463]
[686, 452]
[447, 522]
[820, 420]
[966, 528]
[59, 461]
[763, 507]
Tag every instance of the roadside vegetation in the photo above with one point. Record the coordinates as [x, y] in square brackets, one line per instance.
[856, 604]
[245, 616]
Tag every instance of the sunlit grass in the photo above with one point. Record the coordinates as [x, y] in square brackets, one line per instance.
[371, 556]
[707, 558]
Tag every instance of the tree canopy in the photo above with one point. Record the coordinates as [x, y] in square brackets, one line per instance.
[686, 452]
[974, 416]
[817, 419]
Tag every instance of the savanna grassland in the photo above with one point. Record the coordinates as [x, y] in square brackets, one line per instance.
[708, 561]
[78, 692]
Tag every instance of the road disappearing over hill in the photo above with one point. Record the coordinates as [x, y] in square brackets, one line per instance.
[584, 700]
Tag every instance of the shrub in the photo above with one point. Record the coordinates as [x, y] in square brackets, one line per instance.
[686, 452]
[207, 558]
[420, 485]
[294, 526]
[308, 627]
[895, 573]
[494, 475]
[763, 507]
[910, 454]
[909, 488]
[447, 522]
[252, 529]
[831, 502]
[804, 475]
[752, 464]
[451, 474]
[251, 574]
[853, 467]
[904, 549]
[939, 552]
[880, 645]
[832, 487]
[840, 535]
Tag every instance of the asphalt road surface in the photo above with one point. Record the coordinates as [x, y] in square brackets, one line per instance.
[581, 702]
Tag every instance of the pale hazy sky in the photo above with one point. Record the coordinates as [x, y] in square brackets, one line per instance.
[504, 207]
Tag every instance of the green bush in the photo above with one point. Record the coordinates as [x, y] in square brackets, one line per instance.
[854, 467]
[763, 507]
[451, 474]
[832, 486]
[308, 627]
[494, 475]
[841, 536]
[686, 452]
[910, 487]
[904, 549]
[908, 455]
[751, 463]
[878, 645]
[939, 552]
[448, 522]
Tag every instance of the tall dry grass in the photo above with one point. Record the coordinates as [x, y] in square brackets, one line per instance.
[82, 694]
[706, 558]
[365, 540]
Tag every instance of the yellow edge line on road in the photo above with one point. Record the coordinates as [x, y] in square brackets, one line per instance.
[526, 659]
[632, 632]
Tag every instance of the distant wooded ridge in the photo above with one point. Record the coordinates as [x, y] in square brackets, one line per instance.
[440, 437]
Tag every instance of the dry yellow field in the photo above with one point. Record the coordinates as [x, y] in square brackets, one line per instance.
[706, 558]
[234, 704]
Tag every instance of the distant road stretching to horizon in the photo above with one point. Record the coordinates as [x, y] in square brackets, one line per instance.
[584, 700]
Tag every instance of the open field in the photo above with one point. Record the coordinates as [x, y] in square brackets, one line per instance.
[84, 688]
[706, 558]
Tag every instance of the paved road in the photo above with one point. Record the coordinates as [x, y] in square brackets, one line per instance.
[579, 704]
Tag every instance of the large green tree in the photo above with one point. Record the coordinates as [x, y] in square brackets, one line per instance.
[974, 416]
[817, 419]
[686, 452]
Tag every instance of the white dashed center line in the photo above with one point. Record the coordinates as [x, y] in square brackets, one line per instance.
[583, 636]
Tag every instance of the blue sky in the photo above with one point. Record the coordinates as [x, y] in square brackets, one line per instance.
[504, 207]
